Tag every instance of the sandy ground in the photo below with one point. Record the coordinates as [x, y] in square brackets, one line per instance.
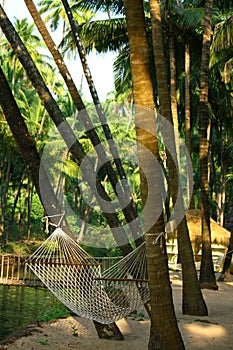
[213, 332]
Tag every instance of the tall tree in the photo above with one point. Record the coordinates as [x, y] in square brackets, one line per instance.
[28, 149]
[72, 143]
[193, 302]
[207, 275]
[122, 191]
[164, 332]
[66, 131]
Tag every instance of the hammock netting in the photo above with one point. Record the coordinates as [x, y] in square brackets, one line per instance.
[75, 278]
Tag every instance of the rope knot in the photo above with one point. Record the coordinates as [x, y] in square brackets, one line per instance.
[159, 239]
[48, 222]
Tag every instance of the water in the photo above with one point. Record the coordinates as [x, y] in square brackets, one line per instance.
[20, 305]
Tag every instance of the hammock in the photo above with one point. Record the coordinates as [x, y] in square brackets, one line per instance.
[75, 278]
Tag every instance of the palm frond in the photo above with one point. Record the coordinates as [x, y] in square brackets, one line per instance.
[191, 19]
[122, 72]
[116, 7]
[223, 35]
[101, 35]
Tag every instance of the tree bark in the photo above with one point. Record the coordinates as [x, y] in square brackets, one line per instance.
[27, 148]
[188, 120]
[164, 332]
[193, 302]
[226, 274]
[67, 134]
[207, 276]
[123, 192]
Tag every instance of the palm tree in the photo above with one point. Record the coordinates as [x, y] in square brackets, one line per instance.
[66, 132]
[207, 276]
[193, 302]
[28, 149]
[124, 192]
[164, 331]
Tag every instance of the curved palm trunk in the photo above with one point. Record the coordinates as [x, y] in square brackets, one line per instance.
[122, 191]
[207, 276]
[193, 302]
[66, 132]
[111, 331]
[164, 333]
[28, 149]
[124, 195]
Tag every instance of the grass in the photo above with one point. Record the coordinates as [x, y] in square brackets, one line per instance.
[55, 313]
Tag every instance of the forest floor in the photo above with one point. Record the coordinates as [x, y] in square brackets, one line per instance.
[212, 332]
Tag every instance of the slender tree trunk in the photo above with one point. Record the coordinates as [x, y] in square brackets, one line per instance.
[164, 333]
[27, 148]
[226, 274]
[174, 107]
[67, 134]
[23, 224]
[188, 120]
[207, 276]
[123, 192]
[4, 198]
[71, 141]
[16, 199]
[222, 190]
[193, 302]
[30, 199]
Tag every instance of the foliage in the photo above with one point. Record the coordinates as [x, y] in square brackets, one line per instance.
[54, 313]
[20, 205]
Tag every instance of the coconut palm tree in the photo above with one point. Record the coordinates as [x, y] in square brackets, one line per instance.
[164, 331]
[129, 210]
[76, 148]
[28, 148]
[207, 276]
[191, 304]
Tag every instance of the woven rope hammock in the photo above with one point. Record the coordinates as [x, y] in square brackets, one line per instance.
[75, 278]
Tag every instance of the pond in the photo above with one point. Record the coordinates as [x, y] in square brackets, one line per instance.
[20, 305]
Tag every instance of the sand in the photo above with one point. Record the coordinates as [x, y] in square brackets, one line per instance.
[212, 332]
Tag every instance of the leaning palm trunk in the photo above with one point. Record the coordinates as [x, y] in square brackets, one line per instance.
[164, 332]
[76, 150]
[28, 150]
[66, 132]
[193, 302]
[123, 192]
[207, 276]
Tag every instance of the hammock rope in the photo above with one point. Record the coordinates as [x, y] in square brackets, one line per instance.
[75, 278]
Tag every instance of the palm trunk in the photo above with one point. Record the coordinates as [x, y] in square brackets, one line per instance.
[23, 225]
[164, 333]
[174, 107]
[226, 273]
[70, 139]
[222, 191]
[193, 302]
[4, 198]
[27, 148]
[124, 195]
[123, 191]
[207, 276]
[188, 119]
[67, 134]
